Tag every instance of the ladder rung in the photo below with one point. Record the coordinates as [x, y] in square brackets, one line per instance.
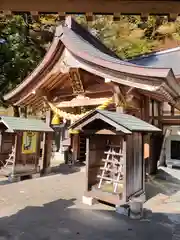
[111, 161]
[109, 170]
[110, 179]
[115, 146]
[115, 154]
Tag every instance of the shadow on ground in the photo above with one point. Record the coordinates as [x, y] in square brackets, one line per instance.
[66, 169]
[59, 169]
[162, 183]
[62, 220]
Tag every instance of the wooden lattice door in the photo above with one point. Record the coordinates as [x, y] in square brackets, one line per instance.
[112, 171]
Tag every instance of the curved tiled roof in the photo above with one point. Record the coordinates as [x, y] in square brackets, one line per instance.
[89, 50]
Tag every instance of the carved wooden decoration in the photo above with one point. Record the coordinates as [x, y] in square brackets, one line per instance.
[76, 82]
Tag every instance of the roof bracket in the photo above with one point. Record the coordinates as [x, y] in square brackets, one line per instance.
[76, 81]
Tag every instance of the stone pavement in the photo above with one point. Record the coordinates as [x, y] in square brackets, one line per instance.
[50, 208]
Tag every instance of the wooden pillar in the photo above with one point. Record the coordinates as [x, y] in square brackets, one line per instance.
[75, 146]
[16, 111]
[23, 112]
[118, 97]
[47, 146]
[87, 165]
[160, 114]
[47, 152]
[15, 155]
[146, 110]
[124, 151]
[156, 140]
[155, 149]
[143, 165]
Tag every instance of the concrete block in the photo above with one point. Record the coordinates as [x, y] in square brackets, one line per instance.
[89, 200]
[136, 208]
[36, 175]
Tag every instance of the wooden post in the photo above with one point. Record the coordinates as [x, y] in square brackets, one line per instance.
[124, 170]
[47, 146]
[23, 112]
[146, 109]
[87, 165]
[15, 156]
[75, 143]
[118, 97]
[160, 114]
[143, 164]
[155, 149]
[16, 111]
[38, 146]
[47, 153]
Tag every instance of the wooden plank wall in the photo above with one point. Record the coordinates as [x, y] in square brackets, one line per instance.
[97, 144]
[24, 159]
[6, 145]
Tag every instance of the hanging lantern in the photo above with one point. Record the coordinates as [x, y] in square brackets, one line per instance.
[56, 120]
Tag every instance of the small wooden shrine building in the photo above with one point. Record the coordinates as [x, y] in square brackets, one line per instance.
[114, 155]
[20, 146]
[79, 74]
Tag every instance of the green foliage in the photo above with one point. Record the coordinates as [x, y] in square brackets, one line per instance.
[24, 47]
[131, 36]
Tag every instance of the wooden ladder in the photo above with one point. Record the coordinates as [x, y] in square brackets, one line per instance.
[113, 167]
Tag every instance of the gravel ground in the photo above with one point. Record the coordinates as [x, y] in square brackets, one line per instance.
[50, 208]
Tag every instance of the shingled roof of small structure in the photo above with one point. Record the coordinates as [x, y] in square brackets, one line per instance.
[123, 122]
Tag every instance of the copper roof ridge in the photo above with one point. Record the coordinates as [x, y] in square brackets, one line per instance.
[121, 67]
[74, 26]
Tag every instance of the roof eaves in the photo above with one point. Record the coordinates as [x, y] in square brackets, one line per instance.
[9, 129]
[124, 67]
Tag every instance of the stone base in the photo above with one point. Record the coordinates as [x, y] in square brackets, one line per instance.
[36, 175]
[89, 200]
[47, 170]
[136, 208]
[14, 178]
[123, 210]
[142, 197]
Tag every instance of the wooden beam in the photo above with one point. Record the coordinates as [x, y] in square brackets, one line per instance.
[94, 89]
[81, 102]
[61, 16]
[116, 17]
[94, 6]
[89, 17]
